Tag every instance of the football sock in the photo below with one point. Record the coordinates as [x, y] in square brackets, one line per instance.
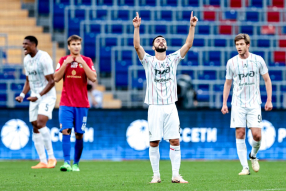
[38, 141]
[78, 150]
[44, 131]
[154, 159]
[255, 147]
[66, 147]
[175, 156]
[242, 152]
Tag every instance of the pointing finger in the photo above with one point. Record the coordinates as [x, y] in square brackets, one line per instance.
[192, 14]
[137, 14]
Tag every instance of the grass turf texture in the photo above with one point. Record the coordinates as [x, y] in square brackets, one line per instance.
[136, 175]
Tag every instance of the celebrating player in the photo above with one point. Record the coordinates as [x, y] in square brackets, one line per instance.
[39, 79]
[161, 95]
[245, 69]
[75, 69]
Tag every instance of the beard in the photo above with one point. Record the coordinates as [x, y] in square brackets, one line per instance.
[158, 49]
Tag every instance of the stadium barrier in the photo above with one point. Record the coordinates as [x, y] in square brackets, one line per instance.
[123, 135]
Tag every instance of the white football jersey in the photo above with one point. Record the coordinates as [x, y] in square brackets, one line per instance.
[246, 79]
[161, 78]
[36, 69]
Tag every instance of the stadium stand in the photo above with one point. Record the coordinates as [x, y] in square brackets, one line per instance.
[107, 31]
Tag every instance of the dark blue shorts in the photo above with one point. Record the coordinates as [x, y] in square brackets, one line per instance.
[73, 117]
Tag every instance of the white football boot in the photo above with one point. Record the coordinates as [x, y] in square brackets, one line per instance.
[245, 171]
[254, 163]
[179, 179]
[156, 179]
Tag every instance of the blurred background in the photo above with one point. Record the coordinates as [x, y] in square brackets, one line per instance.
[107, 31]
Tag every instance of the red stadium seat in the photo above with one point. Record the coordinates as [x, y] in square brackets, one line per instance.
[273, 16]
[209, 14]
[282, 43]
[279, 56]
[278, 3]
[268, 30]
[225, 29]
[235, 3]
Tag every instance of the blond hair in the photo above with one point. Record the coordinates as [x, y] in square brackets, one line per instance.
[242, 36]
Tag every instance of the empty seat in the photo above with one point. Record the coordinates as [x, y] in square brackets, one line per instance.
[268, 30]
[203, 29]
[167, 15]
[282, 43]
[127, 2]
[248, 29]
[186, 15]
[17, 86]
[207, 75]
[191, 3]
[83, 2]
[107, 2]
[214, 58]
[209, 15]
[176, 42]
[230, 15]
[3, 86]
[235, 3]
[192, 59]
[279, 56]
[218, 88]
[220, 42]
[58, 16]
[225, 29]
[44, 7]
[263, 43]
[172, 3]
[95, 28]
[252, 16]
[147, 3]
[273, 16]
[214, 2]
[182, 29]
[160, 29]
[121, 79]
[110, 41]
[123, 15]
[278, 3]
[275, 75]
[118, 29]
[199, 42]
[256, 3]
[105, 59]
[146, 14]
[260, 53]
[89, 45]
[100, 14]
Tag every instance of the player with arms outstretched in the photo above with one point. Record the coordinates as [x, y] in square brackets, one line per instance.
[74, 69]
[39, 79]
[161, 95]
[244, 70]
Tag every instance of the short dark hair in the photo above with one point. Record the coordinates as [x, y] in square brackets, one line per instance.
[242, 36]
[32, 39]
[155, 39]
[74, 38]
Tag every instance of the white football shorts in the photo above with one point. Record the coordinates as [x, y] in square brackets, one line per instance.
[242, 117]
[44, 106]
[163, 121]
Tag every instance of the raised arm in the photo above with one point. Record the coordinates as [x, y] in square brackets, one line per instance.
[136, 41]
[189, 42]
[268, 84]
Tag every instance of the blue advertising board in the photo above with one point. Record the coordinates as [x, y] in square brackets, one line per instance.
[123, 135]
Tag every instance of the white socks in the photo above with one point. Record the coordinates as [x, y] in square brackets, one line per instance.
[175, 156]
[255, 147]
[44, 131]
[38, 141]
[154, 156]
[242, 152]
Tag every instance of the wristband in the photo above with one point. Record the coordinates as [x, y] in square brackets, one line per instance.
[38, 96]
[22, 95]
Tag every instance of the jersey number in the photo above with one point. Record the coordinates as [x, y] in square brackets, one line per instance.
[259, 118]
[47, 108]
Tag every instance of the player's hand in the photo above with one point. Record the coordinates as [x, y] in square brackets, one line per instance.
[69, 60]
[193, 20]
[19, 99]
[79, 60]
[32, 99]
[224, 109]
[137, 21]
[268, 106]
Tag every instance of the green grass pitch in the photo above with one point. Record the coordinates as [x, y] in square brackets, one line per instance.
[136, 175]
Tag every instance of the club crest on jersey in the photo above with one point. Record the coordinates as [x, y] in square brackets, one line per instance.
[74, 65]
[80, 65]
[73, 72]
[245, 65]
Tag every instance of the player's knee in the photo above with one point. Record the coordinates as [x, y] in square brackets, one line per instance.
[79, 136]
[257, 137]
[66, 131]
[154, 143]
[174, 142]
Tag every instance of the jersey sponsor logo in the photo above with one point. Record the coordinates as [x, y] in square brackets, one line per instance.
[268, 135]
[250, 74]
[15, 134]
[162, 80]
[34, 72]
[137, 135]
[74, 65]
[73, 75]
[162, 72]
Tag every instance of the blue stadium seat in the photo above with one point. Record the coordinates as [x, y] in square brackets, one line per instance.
[256, 3]
[192, 59]
[105, 59]
[148, 3]
[276, 64]
[176, 42]
[172, 3]
[17, 86]
[123, 15]
[188, 72]
[230, 15]
[263, 43]
[182, 29]
[203, 93]
[220, 42]
[214, 2]
[101, 14]
[160, 29]
[83, 2]
[74, 26]
[203, 29]
[167, 15]
[127, 2]
[191, 3]
[95, 28]
[89, 45]
[22, 76]
[252, 16]
[127, 55]
[186, 15]
[80, 14]
[146, 14]
[248, 29]
[6, 76]
[276, 75]
[107, 2]
[204, 87]
[122, 73]
[214, 59]
[44, 7]
[110, 41]
[3, 97]
[207, 75]
[3, 86]
[260, 53]
[218, 88]
[117, 29]
[199, 42]
[58, 16]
